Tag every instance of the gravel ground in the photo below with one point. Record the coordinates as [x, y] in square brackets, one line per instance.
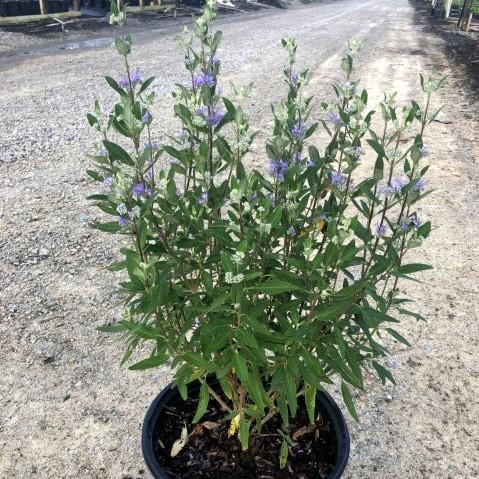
[67, 409]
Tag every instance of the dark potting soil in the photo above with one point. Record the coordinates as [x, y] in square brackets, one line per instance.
[211, 453]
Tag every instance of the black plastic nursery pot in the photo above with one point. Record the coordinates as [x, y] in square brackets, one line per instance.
[170, 397]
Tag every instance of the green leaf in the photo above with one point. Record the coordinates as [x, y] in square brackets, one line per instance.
[275, 286]
[291, 390]
[283, 454]
[230, 108]
[411, 313]
[383, 373]
[398, 337]
[183, 390]
[94, 175]
[377, 147]
[379, 168]
[283, 409]
[202, 403]
[225, 386]
[348, 400]
[146, 84]
[197, 360]
[116, 152]
[241, 367]
[246, 338]
[151, 362]
[109, 227]
[310, 400]
[115, 86]
[243, 432]
[374, 317]
[256, 391]
[92, 119]
[227, 262]
[123, 46]
[112, 328]
[412, 268]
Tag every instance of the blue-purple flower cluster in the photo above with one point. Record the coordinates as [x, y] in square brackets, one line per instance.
[393, 188]
[333, 117]
[108, 182]
[413, 221]
[421, 185]
[203, 199]
[146, 118]
[294, 77]
[212, 116]
[381, 229]
[299, 130]
[201, 79]
[136, 78]
[139, 190]
[277, 169]
[338, 179]
[123, 221]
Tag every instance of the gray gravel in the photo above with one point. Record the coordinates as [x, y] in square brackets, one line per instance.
[66, 409]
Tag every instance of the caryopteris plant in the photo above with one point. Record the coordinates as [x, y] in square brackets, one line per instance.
[268, 284]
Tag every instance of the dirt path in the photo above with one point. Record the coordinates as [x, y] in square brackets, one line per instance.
[67, 410]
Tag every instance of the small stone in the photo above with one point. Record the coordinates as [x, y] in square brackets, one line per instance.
[43, 252]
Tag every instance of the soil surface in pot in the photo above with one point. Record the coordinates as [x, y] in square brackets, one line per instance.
[211, 453]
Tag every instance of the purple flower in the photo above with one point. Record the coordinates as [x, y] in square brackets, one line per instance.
[421, 185]
[203, 80]
[123, 81]
[153, 146]
[123, 221]
[139, 190]
[338, 179]
[294, 77]
[203, 198]
[146, 118]
[277, 169]
[211, 117]
[323, 216]
[415, 221]
[381, 229]
[299, 130]
[393, 188]
[102, 151]
[253, 197]
[333, 117]
[108, 182]
[136, 77]
[311, 163]
[297, 157]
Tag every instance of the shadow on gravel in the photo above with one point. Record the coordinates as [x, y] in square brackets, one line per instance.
[462, 49]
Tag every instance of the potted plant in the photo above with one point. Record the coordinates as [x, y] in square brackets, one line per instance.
[258, 287]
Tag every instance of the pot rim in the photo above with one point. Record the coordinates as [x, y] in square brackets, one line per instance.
[324, 402]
